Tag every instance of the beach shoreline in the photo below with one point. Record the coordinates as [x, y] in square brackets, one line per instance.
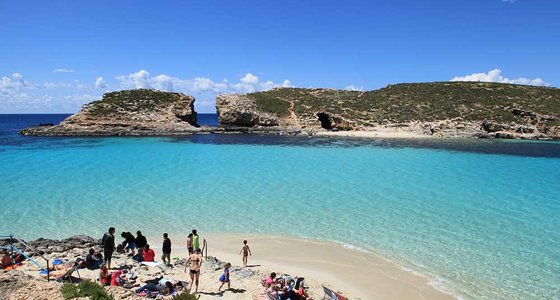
[358, 274]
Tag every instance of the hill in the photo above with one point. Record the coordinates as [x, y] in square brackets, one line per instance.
[438, 108]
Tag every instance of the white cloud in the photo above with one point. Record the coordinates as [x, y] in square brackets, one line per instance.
[12, 85]
[138, 80]
[19, 95]
[354, 88]
[56, 85]
[100, 83]
[250, 79]
[63, 71]
[247, 84]
[496, 76]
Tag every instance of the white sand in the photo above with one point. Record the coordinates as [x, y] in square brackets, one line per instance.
[376, 133]
[358, 275]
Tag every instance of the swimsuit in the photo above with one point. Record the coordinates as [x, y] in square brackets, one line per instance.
[197, 260]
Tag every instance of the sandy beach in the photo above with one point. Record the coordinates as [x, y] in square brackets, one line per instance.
[356, 274]
[378, 132]
[360, 275]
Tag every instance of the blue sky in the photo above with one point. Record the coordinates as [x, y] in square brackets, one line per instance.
[57, 55]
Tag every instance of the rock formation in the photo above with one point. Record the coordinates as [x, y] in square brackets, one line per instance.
[439, 109]
[130, 112]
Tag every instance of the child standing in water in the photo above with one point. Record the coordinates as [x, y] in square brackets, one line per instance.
[246, 251]
[225, 277]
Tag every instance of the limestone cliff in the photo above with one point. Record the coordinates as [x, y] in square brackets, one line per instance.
[443, 109]
[130, 112]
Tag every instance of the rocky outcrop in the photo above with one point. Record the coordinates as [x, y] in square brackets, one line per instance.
[130, 112]
[239, 110]
[440, 109]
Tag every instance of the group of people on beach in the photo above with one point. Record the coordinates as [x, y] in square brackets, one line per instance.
[284, 287]
[141, 252]
[138, 246]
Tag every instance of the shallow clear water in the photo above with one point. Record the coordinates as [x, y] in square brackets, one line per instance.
[480, 216]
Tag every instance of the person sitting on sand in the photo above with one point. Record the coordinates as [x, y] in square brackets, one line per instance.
[140, 241]
[129, 242]
[118, 278]
[270, 281]
[93, 259]
[148, 254]
[282, 293]
[104, 275]
[195, 261]
[246, 251]
[6, 259]
[225, 277]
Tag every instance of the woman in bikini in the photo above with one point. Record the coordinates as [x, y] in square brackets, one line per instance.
[195, 261]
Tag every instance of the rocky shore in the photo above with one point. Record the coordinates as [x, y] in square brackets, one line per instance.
[25, 282]
[440, 110]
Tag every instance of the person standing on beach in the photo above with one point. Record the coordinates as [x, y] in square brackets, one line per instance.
[166, 250]
[195, 261]
[246, 251]
[140, 241]
[108, 242]
[196, 240]
[190, 244]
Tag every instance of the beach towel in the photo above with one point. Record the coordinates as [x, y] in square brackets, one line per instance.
[150, 263]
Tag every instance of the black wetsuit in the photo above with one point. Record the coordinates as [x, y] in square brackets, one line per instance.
[108, 246]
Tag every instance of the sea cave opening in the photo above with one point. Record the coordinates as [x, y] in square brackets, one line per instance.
[325, 120]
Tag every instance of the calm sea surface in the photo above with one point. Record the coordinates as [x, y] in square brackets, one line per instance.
[481, 218]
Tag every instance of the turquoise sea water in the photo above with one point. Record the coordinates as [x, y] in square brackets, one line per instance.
[481, 218]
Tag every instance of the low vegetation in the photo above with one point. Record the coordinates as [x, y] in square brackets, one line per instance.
[424, 102]
[86, 288]
[185, 296]
[131, 101]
